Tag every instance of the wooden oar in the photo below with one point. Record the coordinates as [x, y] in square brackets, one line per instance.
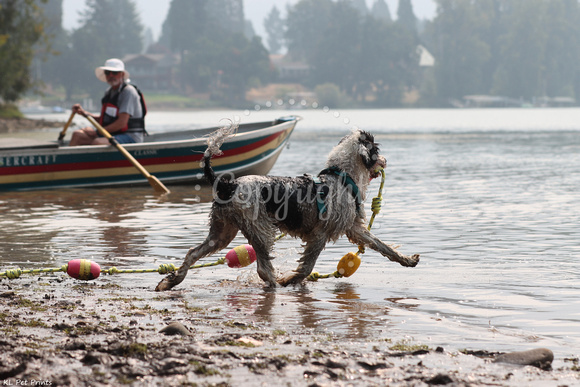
[63, 132]
[155, 183]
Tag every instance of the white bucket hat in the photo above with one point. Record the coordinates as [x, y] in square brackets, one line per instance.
[112, 64]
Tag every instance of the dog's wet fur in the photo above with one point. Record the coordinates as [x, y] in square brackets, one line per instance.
[315, 209]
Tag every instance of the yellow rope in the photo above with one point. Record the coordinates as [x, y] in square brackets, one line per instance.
[162, 269]
[315, 276]
[220, 261]
[16, 273]
[375, 207]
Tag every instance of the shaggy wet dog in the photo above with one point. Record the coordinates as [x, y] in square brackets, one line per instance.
[315, 209]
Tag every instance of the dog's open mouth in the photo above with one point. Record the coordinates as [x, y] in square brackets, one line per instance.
[379, 165]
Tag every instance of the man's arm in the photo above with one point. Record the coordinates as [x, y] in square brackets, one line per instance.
[121, 122]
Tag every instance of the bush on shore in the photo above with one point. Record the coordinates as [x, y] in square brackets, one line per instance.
[10, 111]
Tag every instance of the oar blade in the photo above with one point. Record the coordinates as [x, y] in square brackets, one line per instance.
[63, 131]
[153, 181]
[157, 185]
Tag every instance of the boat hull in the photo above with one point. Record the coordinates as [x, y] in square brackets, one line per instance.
[170, 157]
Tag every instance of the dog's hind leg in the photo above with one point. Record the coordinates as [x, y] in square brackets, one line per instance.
[220, 235]
[311, 252]
[361, 236]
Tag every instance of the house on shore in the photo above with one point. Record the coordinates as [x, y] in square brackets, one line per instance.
[153, 72]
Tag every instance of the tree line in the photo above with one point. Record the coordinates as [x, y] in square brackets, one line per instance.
[517, 48]
[522, 49]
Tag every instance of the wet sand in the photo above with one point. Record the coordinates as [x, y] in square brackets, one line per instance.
[60, 331]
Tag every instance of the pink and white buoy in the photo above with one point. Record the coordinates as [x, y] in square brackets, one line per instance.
[241, 256]
[83, 269]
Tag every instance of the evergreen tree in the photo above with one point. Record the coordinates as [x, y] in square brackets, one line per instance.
[229, 15]
[562, 48]
[109, 29]
[360, 6]
[305, 26]
[381, 11]
[406, 16]
[388, 62]
[521, 49]
[249, 31]
[274, 26]
[114, 25]
[53, 15]
[490, 29]
[459, 50]
[367, 58]
[130, 31]
[189, 19]
[21, 28]
[246, 62]
[48, 64]
[185, 22]
[210, 37]
[335, 57]
[521, 70]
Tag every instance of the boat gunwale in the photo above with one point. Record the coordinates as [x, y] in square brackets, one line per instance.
[270, 127]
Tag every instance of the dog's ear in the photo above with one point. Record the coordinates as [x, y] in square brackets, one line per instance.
[366, 136]
[368, 149]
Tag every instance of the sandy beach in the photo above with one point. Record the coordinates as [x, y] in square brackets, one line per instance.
[15, 125]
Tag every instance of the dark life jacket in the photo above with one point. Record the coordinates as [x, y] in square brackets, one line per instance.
[111, 100]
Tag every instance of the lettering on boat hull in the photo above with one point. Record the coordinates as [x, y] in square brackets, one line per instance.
[26, 161]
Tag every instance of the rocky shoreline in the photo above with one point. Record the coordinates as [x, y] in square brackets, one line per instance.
[58, 331]
[12, 125]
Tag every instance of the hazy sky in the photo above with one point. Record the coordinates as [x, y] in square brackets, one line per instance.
[153, 12]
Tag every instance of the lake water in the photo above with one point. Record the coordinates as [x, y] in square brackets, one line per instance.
[489, 198]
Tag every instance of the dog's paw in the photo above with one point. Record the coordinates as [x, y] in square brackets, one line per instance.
[166, 283]
[286, 278]
[411, 261]
[290, 278]
[283, 282]
[270, 286]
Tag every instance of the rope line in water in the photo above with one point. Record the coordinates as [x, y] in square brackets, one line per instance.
[162, 269]
[85, 269]
[16, 273]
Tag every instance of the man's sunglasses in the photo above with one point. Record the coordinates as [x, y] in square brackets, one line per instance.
[109, 72]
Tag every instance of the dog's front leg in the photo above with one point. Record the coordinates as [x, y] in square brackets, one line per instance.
[220, 235]
[360, 235]
[311, 252]
[192, 256]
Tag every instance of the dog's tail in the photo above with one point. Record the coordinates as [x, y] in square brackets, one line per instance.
[214, 143]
